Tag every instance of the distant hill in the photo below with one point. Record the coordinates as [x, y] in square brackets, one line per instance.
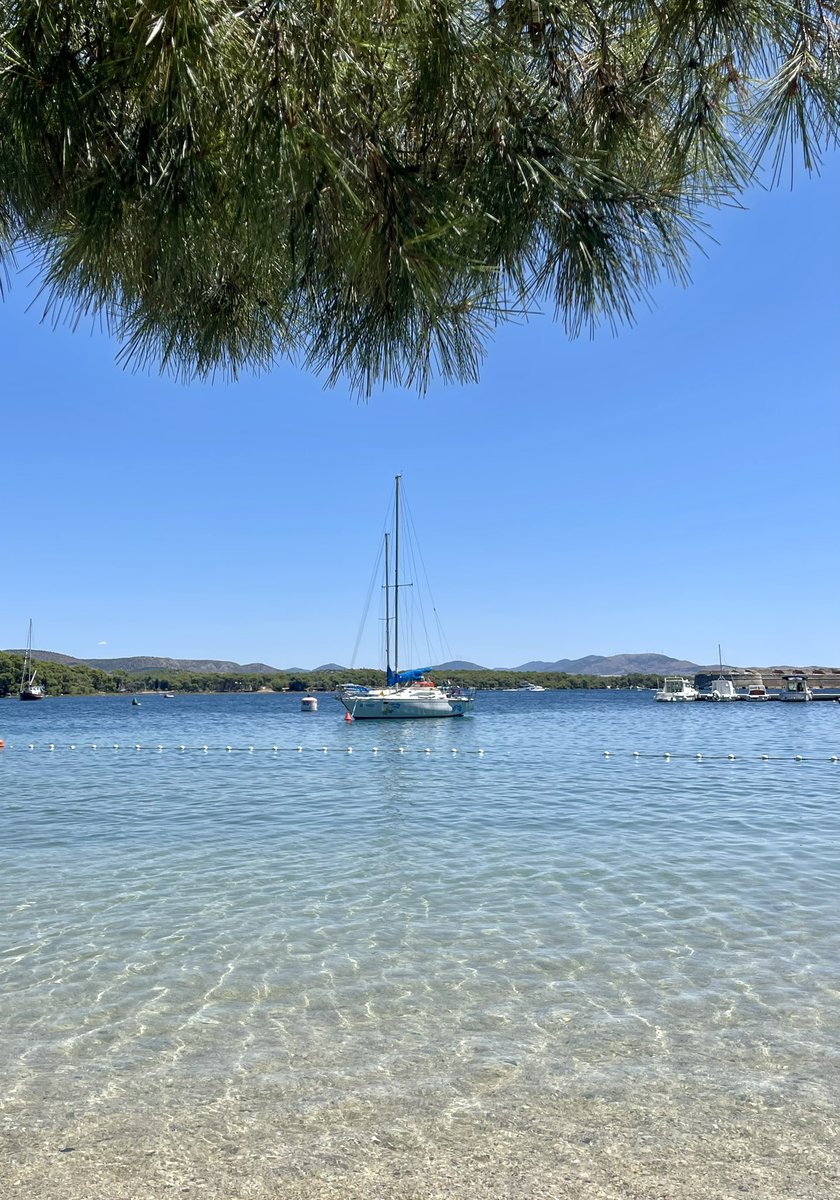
[614, 664]
[50, 656]
[145, 663]
[458, 665]
[591, 664]
[197, 666]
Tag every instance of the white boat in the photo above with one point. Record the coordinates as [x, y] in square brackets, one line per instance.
[407, 694]
[675, 687]
[29, 689]
[722, 688]
[755, 690]
[309, 704]
[530, 687]
[796, 688]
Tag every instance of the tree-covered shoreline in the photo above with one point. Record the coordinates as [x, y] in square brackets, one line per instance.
[64, 679]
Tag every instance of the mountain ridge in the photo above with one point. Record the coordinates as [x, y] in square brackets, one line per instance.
[591, 664]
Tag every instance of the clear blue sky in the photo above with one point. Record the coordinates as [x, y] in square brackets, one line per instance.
[665, 489]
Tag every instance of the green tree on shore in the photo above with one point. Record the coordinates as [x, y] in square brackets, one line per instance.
[369, 187]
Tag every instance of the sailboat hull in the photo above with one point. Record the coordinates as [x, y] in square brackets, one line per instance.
[403, 705]
[32, 694]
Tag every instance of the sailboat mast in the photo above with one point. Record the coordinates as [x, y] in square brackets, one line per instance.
[397, 479]
[27, 659]
[387, 611]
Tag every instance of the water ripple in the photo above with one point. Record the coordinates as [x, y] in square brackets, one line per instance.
[498, 959]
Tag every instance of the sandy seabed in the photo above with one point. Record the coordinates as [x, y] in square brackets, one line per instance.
[603, 1147]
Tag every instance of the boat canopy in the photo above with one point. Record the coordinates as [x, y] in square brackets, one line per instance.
[406, 676]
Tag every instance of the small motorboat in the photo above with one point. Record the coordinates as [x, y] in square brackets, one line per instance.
[676, 688]
[309, 704]
[796, 688]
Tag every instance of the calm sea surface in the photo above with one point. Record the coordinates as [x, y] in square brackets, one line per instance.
[473, 957]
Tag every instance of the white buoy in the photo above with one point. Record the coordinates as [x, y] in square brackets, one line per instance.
[72, 747]
[228, 748]
[765, 758]
[136, 746]
[797, 758]
[481, 752]
[698, 756]
[93, 745]
[402, 750]
[454, 749]
[349, 749]
[52, 745]
[606, 754]
[275, 749]
[666, 755]
[325, 749]
[637, 754]
[427, 750]
[300, 749]
[204, 748]
[834, 758]
[730, 757]
[182, 748]
[374, 750]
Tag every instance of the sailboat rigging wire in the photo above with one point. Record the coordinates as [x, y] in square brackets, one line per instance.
[377, 567]
[414, 542]
[376, 573]
[413, 553]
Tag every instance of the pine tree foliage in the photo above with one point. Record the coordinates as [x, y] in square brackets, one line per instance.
[369, 186]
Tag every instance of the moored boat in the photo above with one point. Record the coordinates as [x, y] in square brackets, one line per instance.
[756, 690]
[796, 688]
[722, 688]
[408, 694]
[29, 689]
[675, 687]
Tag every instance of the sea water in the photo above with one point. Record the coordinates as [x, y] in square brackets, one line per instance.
[542, 951]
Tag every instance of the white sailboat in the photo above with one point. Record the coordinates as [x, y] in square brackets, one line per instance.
[407, 694]
[29, 689]
[722, 688]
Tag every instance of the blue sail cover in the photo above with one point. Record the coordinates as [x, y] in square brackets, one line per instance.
[406, 676]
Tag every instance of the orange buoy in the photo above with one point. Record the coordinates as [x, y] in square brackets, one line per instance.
[2, 743]
[348, 716]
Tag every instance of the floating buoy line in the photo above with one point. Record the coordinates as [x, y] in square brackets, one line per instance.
[182, 748]
[667, 756]
[379, 751]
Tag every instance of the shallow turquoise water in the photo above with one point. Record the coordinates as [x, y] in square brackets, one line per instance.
[637, 958]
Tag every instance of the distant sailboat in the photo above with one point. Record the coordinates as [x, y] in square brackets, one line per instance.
[29, 689]
[407, 694]
[722, 689]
